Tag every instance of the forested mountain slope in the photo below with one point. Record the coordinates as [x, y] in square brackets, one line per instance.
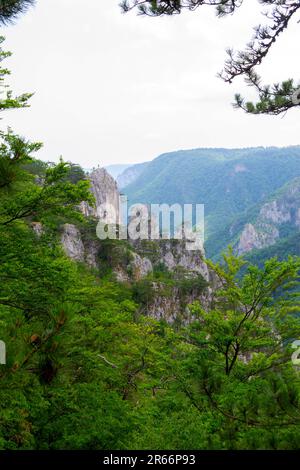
[230, 183]
[275, 221]
[226, 181]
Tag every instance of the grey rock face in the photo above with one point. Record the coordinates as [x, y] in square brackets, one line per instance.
[251, 237]
[37, 227]
[174, 307]
[170, 302]
[75, 248]
[121, 275]
[72, 242]
[168, 308]
[105, 190]
[140, 267]
[174, 255]
[264, 231]
[276, 212]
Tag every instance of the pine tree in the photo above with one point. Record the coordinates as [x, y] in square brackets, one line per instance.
[11, 9]
[272, 99]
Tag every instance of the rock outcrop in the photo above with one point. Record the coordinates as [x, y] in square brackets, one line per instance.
[37, 227]
[133, 262]
[105, 191]
[276, 212]
[173, 306]
[257, 237]
[140, 267]
[76, 249]
[173, 255]
[190, 275]
[72, 242]
[276, 216]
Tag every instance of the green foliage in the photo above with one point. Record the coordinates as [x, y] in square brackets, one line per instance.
[11, 9]
[238, 355]
[8, 101]
[272, 100]
[54, 195]
[15, 152]
[75, 173]
[191, 284]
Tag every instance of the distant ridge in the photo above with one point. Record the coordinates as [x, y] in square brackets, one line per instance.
[117, 169]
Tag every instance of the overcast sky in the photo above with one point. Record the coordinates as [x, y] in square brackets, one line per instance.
[114, 88]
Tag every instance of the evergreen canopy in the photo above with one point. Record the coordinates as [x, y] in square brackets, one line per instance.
[10, 9]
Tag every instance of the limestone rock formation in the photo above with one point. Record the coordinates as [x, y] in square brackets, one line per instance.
[37, 227]
[135, 261]
[75, 249]
[140, 267]
[174, 306]
[276, 211]
[105, 190]
[174, 255]
[256, 238]
[277, 216]
[72, 242]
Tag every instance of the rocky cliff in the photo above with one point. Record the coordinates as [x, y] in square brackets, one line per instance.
[173, 255]
[257, 236]
[171, 275]
[166, 277]
[76, 249]
[105, 191]
[275, 219]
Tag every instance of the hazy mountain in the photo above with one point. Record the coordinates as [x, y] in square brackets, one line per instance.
[130, 174]
[117, 169]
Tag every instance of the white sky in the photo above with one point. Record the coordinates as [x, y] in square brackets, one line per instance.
[113, 88]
